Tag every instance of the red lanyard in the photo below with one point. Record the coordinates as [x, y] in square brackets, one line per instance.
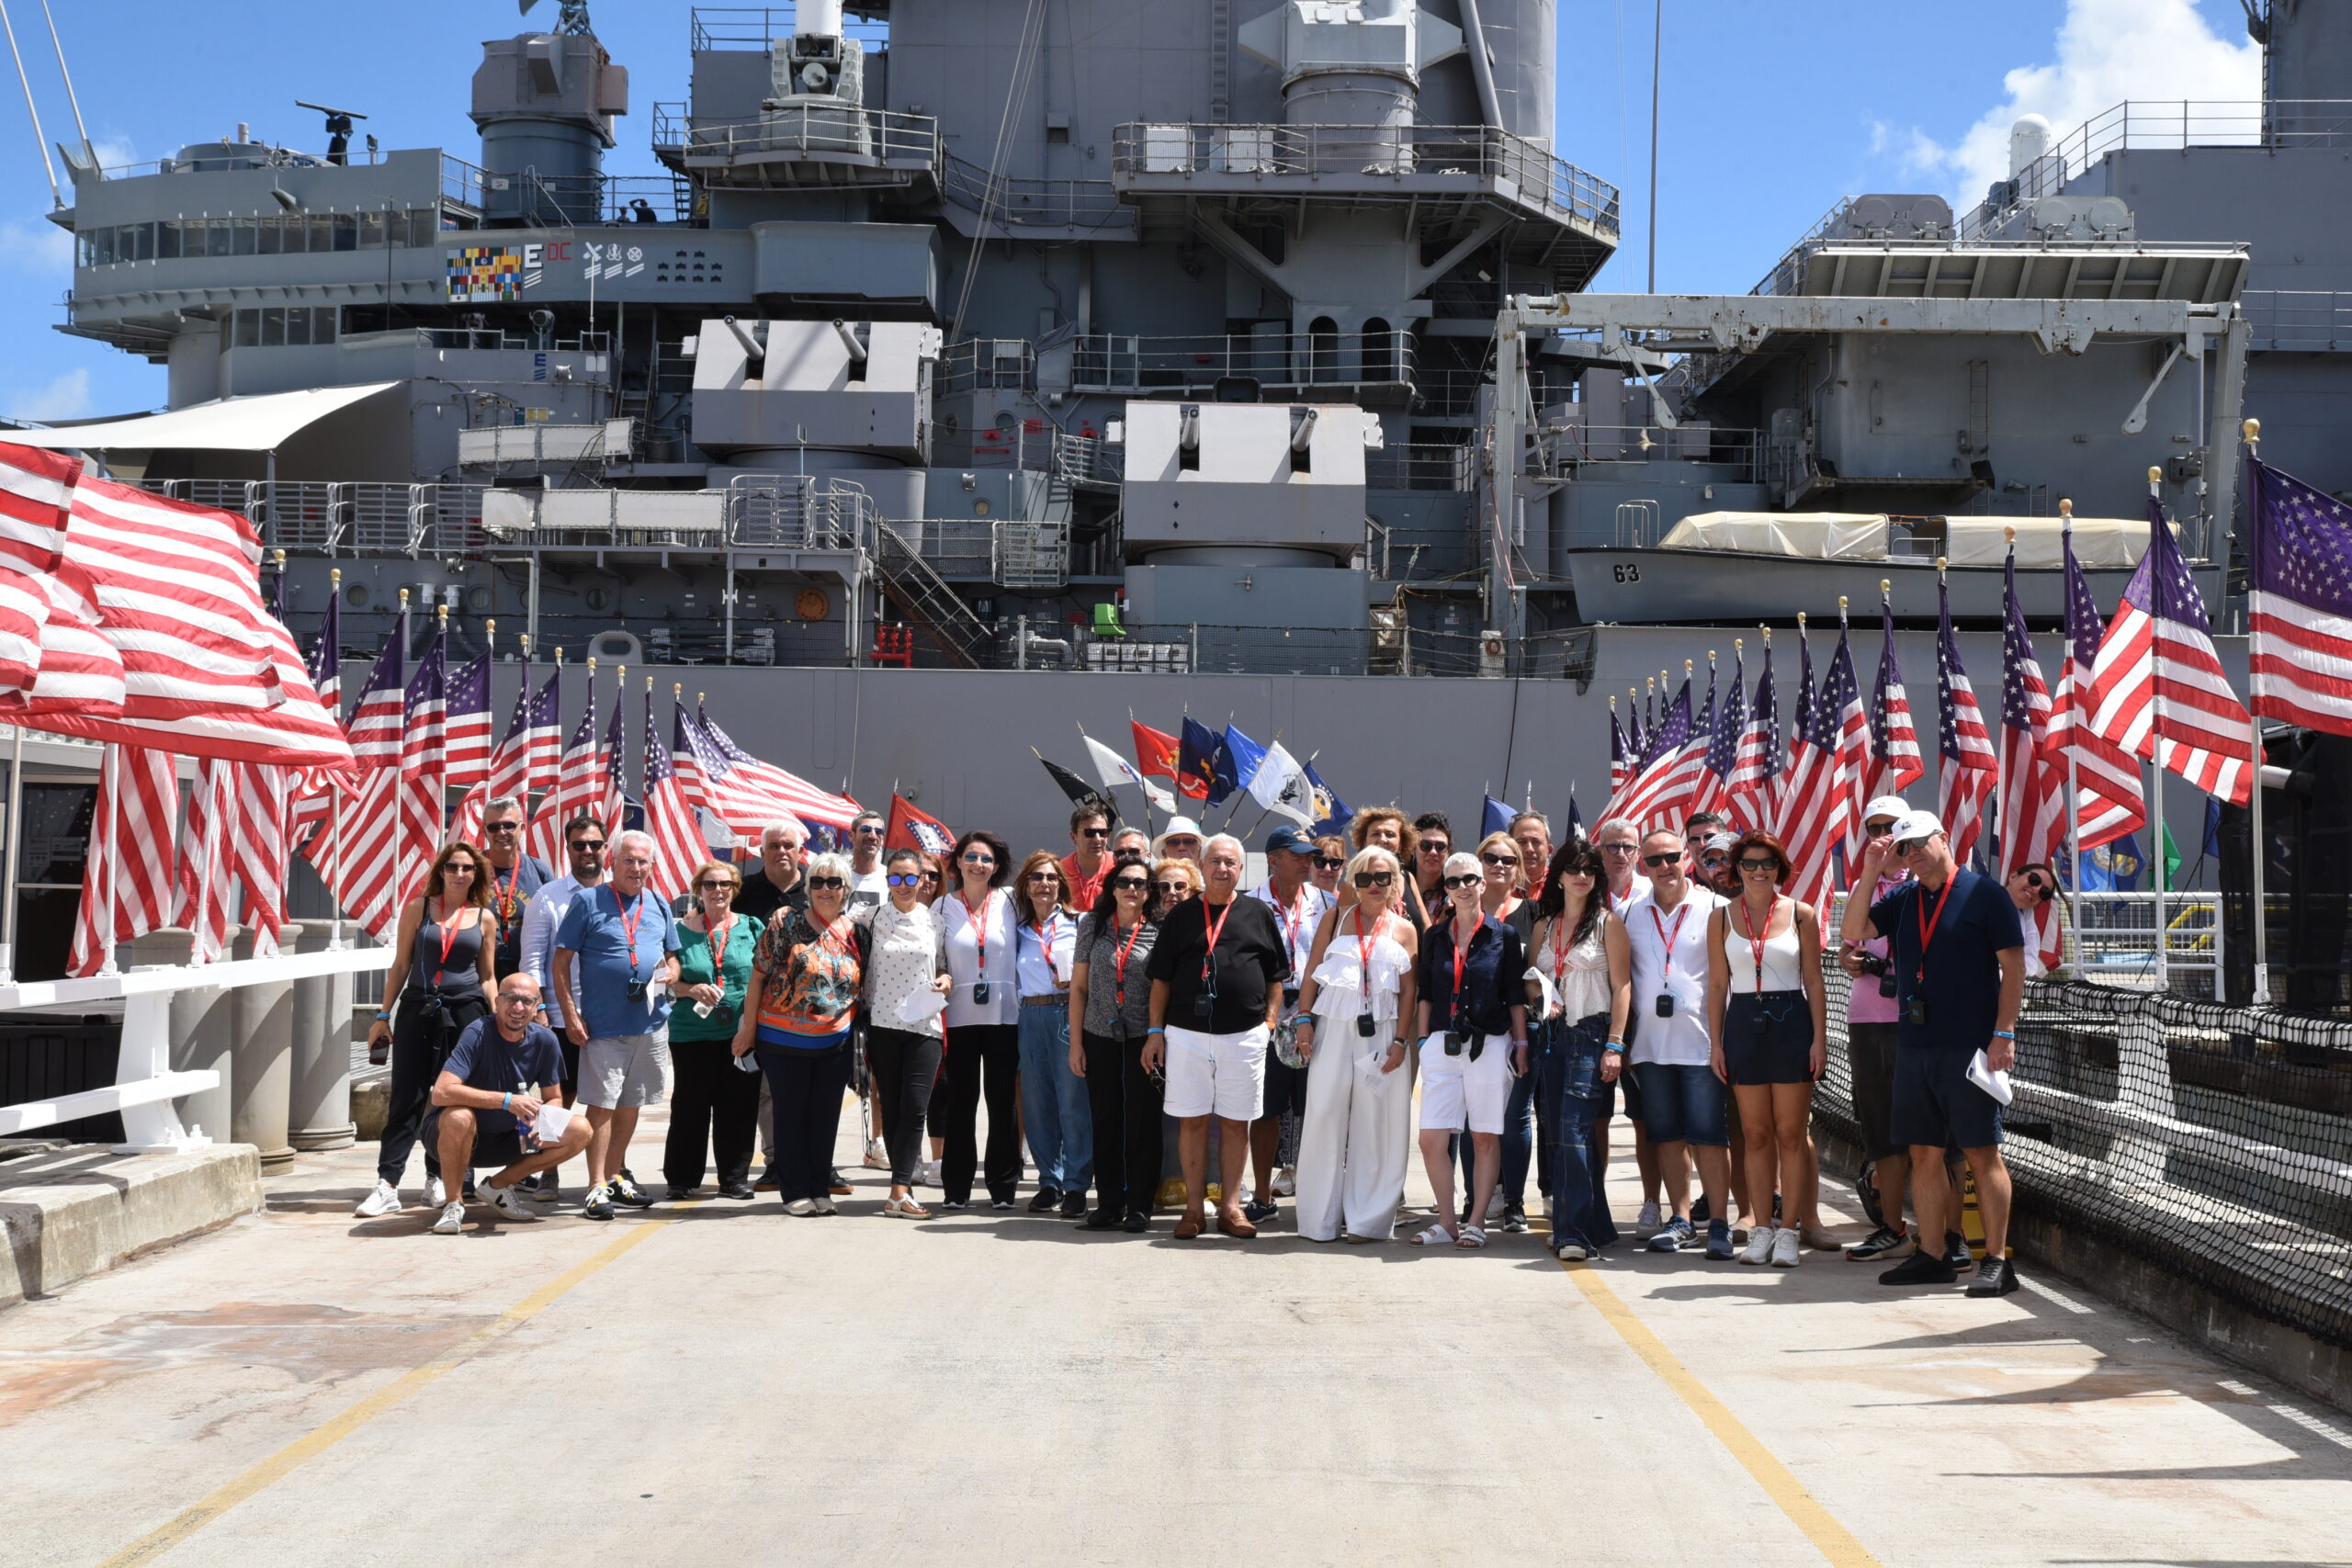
[1756, 942]
[506, 891]
[1366, 941]
[1044, 946]
[718, 947]
[1291, 918]
[1560, 955]
[1927, 924]
[1666, 938]
[1119, 974]
[629, 919]
[979, 925]
[448, 941]
[1461, 956]
[1208, 954]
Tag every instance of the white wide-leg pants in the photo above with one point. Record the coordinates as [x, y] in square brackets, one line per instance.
[1355, 1140]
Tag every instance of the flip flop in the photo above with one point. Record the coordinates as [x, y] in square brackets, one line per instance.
[1436, 1235]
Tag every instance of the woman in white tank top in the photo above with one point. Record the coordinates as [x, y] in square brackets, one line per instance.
[1767, 1017]
[1579, 990]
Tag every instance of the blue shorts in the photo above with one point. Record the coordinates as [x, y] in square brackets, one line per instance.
[493, 1149]
[1936, 1106]
[1767, 1039]
[1682, 1104]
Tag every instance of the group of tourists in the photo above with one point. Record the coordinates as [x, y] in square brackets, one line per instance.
[1521, 986]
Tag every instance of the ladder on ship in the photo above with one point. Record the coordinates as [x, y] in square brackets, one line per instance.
[923, 598]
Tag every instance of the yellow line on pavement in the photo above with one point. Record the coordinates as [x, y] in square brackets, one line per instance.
[1830, 1538]
[319, 1439]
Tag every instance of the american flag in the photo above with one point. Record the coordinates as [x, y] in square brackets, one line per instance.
[2111, 799]
[1895, 762]
[1717, 744]
[1801, 758]
[424, 764]
[577, 788]
[1966, 769]
[469, 724]
[36, 488]
[509, 765]
[2208, 736]
[2032, 806]
[2300, 601]
[208, 892]
[682, 760]
[547, 731]
[375, 727]
[805, 800]
[1731, 728]
[132, 870]
[316, 792]
[1754, 786]
[1818, 809]
[356, 859]
[678, 844]
[1620, 764]
[81, 673]
[1662, 784]
[612, 758]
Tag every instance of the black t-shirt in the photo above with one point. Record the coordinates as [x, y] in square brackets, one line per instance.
[764, 898]
[1250, 960]
[485, 1058]
[1962, 978]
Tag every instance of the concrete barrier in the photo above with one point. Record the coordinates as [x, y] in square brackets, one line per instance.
[261, 1052]
[74, 1210]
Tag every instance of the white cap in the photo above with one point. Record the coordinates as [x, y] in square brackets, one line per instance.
[1916, 824]
[1176, 825]
[1893, 805]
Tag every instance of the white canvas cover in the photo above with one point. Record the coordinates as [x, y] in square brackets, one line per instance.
[261, 423]
[2111, 542]
[1808, 535]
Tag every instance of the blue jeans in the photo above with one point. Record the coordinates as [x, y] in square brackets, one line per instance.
[1054, 1111]
[1576, 1094]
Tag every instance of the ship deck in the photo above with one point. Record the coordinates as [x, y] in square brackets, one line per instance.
[718, 1383]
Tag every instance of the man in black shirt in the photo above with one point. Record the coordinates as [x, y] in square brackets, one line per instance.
[1216, 972]
[1957, 954]
[485, 1103]
[514, 878]
[776, 884]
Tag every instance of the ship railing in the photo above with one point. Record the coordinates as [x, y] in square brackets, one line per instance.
[1262, 157]
[799, 511]
[1418, 465]
[987, 363]
[1559, 449]
[1019, 201]
[1030, 554]
[1342, 363]
[758, 26]
[1083, 460]
[564, 200]
[2301, 321]
[463, 183]
[820, 132]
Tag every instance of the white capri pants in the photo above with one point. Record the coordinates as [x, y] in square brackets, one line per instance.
[1219, 1075]
[1455, 1090]
[1356, 1135]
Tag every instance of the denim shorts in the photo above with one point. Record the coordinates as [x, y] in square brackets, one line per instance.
[1682, 1104]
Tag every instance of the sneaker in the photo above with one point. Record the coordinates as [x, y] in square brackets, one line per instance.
[1073, 1205]
[627, 1195]
[1785, 1247]
[736, 1192]
[542, 1197]
[1922, 1267]
[1719, 1241]
[1046, 1200]
[508, 1201]
[1999, 1277]
[955, 1205]
[452, 1220]
[825, 1206]
[927, 1173]
[1515, 1219]
[1002, 1203]
[549, 1190]
[1701, 1213]
[679, 1194]
[876, 1156]
[766, 1183]
[1570, 1252]
[1647, 1219]
[1956, 1252]
[801, 1207]
[1880, 1243]
[1496, 1204]
[435, 1194]
[599, 1205]
[1287, 1182]
[382, 1199]
[1258, 1213]
[1760, 1246]
[1674, 1236]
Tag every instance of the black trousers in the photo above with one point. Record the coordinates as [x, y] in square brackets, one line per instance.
[903, 1066]
[714, 1111]
[998, 1046]
[1126, 1103]
[420, 1045]
[805, 1086]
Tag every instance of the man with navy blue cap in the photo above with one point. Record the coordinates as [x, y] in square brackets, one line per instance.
[1298, 906]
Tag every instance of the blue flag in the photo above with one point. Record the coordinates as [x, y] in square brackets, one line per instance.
[1332, 815]
[1195, 760]
[2114, 867]
[1575, 819]
[1236, 762]
[1496, 819]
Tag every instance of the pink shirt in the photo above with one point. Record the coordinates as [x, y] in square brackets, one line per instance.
[1864, 1005]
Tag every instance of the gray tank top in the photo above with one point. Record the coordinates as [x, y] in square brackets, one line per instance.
[460, 972]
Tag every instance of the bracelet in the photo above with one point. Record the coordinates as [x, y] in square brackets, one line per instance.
[382, 1016]
[504, 1100]
[2009, 1034]
[1155, 1029]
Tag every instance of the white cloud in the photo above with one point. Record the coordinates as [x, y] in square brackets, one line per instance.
[2108, 50]
[68, 397]
[36, 247]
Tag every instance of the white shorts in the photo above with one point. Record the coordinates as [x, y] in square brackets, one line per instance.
[1455, 1090]
[621, 1072]
[1219, 1075]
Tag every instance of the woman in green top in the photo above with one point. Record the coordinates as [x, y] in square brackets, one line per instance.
[714, 1107]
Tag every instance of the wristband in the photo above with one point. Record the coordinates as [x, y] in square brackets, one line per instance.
[506, 1101]
[1155, 1029]
[2008, 1034]
[382, 1016]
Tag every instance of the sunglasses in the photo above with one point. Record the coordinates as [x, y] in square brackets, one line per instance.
[930, 876]
[1909, 847]
[1620, 849]
[823, 882]
[501, 828]
[1878, 830]
[1660, 862]
[457, 868]
[716, 887]
[1750, 867]
[907, 879]
[1465, 881]
[868, 827]
[974, 857]
[1173, 889]
[2037, 884]
[1440, 848]
[1328, 863]
[1094, 832]
[1374, 878]
[1584, 870]
[586, 846]
[1131, 885]
[1501, 859]
[1046, 876]
[516, 999]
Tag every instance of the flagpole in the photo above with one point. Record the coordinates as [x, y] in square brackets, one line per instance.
[335, 797]
[2156, 771]
[112, 764]
[1269, 811]
[1241, 786]
[15, 844]
[2253, 432]
[2073, 788]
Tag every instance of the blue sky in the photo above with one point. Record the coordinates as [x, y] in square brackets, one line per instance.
[1772, 110]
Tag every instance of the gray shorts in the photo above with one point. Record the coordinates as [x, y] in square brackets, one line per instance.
[621, 1072]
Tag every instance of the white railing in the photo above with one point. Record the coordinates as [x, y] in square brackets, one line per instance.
[145, 1082]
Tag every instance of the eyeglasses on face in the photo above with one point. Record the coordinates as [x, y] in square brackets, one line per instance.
[1374, 878]
[516, 999]
[819, 883]
[1046, 876]
[1467, 879]
[1437, 847]
[1131, 885]
[1585, 872]
[2037, 884]
[907, 878]
[1328, 863]
[586, 846]
[460, 868]
[930, 876]
[1620, 849]
[1094, 832]
[1908, 847]
[1878, 830]
[1173, 889]
[1658, 862]
[863, 829]
[1751, 866]
[716, 885]
[979, 857]
[502, 826]
[1499, 860]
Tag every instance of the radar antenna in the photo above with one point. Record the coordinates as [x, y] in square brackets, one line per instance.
[572, 18]
[339, 130]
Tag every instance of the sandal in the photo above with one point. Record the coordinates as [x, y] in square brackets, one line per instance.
[904, 1209]
[1436, 1235]
[1471, 1238]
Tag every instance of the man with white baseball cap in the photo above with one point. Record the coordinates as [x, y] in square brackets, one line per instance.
[1871, 1015]
[1957, 954]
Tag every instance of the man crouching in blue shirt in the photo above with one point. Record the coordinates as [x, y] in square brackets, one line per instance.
[1958, 954]
[496, 1078]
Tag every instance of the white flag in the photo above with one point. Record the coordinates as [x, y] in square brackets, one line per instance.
[1280, 785]
[1111, 768]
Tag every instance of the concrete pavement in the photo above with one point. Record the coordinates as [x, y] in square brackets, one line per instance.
[721, 1384]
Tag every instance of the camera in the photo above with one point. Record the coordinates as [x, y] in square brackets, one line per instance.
[1290, 997]
[1870, 962]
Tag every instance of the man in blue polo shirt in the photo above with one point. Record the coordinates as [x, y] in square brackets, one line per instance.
[622, 944]
[1959, 959]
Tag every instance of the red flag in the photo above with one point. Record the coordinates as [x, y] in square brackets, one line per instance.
[678, 844]
[911, 829]
[1155, 753]
[2032, 805]
[133, 871]
[36, 488]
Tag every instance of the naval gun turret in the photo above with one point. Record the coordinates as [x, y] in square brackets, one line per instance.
[544, 103]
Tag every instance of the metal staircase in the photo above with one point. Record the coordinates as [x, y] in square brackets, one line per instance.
[923, 598]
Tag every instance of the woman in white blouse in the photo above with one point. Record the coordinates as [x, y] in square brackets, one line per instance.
[1353, 1140]
[1054, 1113]
[1581, 988]
[978, 922]
[906, 987]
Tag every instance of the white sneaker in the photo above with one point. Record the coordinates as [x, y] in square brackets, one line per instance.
[382, 1199]
[1287, 1182]
[1760, 1245]
[1496, 1204]
[452, 1220]
[1571, 1252]
[509, 1202]
[927, 1173]
[434, 1193]
[1647, 1219]
[876, 1156]
[825, 1205]
[1785, 1247]
[803, 1207]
